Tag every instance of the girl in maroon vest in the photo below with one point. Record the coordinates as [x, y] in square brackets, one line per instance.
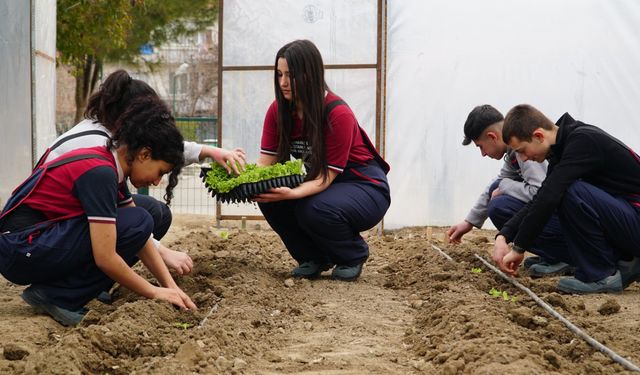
[346, 190]
[64, 233]
[104, 107]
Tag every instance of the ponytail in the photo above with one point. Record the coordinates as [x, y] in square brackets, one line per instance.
[113, 97]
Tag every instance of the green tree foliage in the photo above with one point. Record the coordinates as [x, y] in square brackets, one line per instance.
[91, 32]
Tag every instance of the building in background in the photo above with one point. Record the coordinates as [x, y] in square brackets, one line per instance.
[183, 73]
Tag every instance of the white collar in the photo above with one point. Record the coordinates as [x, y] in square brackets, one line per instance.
[118, 167]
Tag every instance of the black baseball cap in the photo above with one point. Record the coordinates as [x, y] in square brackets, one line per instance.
[478, 120]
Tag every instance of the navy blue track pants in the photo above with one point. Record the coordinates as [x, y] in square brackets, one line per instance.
[159, 211]
[326, 227]
[59, 260]
[600, 229]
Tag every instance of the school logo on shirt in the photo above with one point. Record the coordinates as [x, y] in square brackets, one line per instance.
[300, 149]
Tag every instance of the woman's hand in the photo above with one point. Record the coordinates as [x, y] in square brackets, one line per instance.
[306, 189]
[276, 195]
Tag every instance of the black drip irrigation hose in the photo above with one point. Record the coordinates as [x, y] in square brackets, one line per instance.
[572, 327]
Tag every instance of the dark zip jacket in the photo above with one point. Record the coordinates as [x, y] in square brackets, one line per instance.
[581, 152]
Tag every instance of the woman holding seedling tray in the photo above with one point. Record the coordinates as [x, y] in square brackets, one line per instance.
[345, 190]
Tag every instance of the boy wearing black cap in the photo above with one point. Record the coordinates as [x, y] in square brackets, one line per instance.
[593, 184]
[516, 184]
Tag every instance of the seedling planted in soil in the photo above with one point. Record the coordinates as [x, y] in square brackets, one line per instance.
[183, 325]
[476, 270]
[502, 293]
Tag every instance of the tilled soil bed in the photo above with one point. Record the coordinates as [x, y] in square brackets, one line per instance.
[412, 311]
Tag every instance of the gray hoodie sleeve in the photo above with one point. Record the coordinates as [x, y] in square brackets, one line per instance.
[521, 183]
[527, 181]
[478, 213]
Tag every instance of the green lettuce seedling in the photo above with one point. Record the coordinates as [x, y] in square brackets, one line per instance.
[221, 181]
[502, 293]
[224, 235]
[476, 270]
[183, 325]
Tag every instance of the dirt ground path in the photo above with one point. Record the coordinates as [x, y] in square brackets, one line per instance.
[412, 311]
[349, 328]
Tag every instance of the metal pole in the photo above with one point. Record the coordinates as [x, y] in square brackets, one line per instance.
[173, 96]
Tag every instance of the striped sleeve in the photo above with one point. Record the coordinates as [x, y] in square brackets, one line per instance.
[269, 141]
[97, 191]
[339, 138]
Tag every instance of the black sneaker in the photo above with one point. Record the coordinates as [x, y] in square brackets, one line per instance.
[543, 269]
[310, 269]
[530, 261]
[38, 300]
[105, 297]
[610, 284]
[347, 273]
[629, 271]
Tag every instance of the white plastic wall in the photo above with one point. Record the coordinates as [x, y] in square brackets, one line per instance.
[27, 86]
[445, 57]
[44, 82]
[15, 94]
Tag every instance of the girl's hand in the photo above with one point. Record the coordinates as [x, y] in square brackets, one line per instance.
[233, 161]
[175, 260]
[175, 296]
[275, 195]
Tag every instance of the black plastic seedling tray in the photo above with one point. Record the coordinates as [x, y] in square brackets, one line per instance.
[243, 193]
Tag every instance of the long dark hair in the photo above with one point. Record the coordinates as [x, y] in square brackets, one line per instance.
[147, 122]
[113, 97]
[306, 75]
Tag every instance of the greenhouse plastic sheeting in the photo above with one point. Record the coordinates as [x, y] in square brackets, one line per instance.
[27, 86]
[445, 57]
[44, 101]
[15, 94]
[344, 31]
